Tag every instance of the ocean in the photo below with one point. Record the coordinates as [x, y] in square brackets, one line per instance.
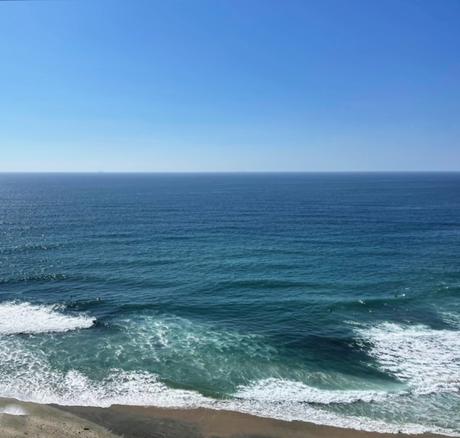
[332, 298]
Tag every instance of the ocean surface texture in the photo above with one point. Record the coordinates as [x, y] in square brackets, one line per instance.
[330, 298]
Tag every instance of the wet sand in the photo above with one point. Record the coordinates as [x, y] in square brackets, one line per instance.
[140, 422]
[19, 419]
[45, 421]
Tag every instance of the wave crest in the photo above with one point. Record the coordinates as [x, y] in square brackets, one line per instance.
[427, 360]
[18, 318]
[26, 373]
[282, 390]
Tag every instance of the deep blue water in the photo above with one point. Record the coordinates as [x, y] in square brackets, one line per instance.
[331, 298]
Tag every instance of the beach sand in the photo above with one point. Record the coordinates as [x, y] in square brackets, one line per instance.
[20, 419]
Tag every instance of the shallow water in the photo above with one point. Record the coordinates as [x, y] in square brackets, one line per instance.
[331, 298]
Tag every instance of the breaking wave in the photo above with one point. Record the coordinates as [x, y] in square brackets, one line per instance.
[423, 359]
[16, 318]
[427, 360]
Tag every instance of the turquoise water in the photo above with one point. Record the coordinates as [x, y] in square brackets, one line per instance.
[331, 298]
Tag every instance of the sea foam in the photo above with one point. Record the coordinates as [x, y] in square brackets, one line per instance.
[281, 390]
[13, 410]
[142, 388]
[28, 375]
[16, 318]
[427, 360]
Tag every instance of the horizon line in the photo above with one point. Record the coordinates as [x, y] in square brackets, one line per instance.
[108, 172]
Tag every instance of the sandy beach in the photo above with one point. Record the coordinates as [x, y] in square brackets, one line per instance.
[18, 419]
[50, 421]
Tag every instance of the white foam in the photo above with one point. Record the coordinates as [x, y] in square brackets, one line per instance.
[292, 411]
[18, 318]
[27, 375]
[144, 389]
[13, 410]
[281, 390]
[212, 355]
[427, 360]
[31, 379]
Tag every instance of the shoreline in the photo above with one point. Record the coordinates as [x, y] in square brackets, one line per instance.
[19, 418]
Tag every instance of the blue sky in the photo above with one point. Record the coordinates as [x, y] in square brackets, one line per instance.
[237, 85]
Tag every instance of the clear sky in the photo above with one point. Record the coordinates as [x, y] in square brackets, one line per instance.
[235, 85]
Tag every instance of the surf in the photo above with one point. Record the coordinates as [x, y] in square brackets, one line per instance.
[26, 318]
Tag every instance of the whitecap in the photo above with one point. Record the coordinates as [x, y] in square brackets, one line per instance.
[16, 318]
[29, 377]
[427, 360]
[282, 390]
[26, 374]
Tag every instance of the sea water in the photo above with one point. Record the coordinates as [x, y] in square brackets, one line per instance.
[329, 298]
